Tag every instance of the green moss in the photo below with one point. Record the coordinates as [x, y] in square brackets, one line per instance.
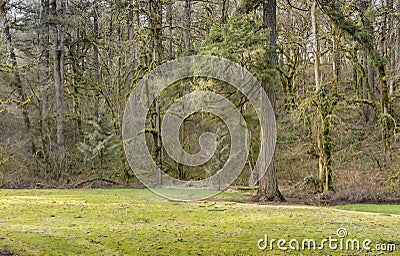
[137, 222]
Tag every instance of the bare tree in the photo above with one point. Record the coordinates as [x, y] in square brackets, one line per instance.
[58, 47]
[16, 82]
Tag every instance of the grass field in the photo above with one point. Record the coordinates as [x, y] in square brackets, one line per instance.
[137, 222]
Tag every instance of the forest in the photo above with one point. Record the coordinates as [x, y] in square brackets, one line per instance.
[199, 127]
[331, 70]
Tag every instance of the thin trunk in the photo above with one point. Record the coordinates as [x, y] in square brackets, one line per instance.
[170, 23]
[96, 74]
[397, 52]
[158, 150]
[188, 18]
[131, 29]
[58, 41]
[132, 54]
[77, 73]
[96, 40]
[157, 31]
[365, 107]
[392, 47]
[324, 138]
[336, 69]
[45, 45]
[316, 81]
[367, 81]
[384, 86]
[315, 45]
[224, 12]
[371, 89]
[397, 64]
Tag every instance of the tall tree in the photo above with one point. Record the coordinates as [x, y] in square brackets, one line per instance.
[268, 185]
[58, 46]
[368, 74]
[16, 82]
[45, 59]
[324, 111]
[367, 40]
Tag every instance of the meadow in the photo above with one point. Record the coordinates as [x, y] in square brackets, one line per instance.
[138, 222]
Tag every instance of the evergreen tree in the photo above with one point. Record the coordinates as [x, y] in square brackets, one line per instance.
[101, 145]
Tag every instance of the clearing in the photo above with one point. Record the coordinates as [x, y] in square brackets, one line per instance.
[138, 222]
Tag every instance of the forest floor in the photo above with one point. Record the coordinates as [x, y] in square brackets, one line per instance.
[138, 222]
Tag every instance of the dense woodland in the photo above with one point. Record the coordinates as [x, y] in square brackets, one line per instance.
[330, 68]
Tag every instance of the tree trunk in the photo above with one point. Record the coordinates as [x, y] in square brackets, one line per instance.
[336, 68]
[58, 41]
[96, 72]
[383, 84]
[392, 47]
[324, 138]
[315, 45]
[96, 40]
[188, 14]
[170, 40]
[158, 55]
[268, 185]
[224, 11]
[368, 93]
[45, 41]
[76, 80]
[155, 12]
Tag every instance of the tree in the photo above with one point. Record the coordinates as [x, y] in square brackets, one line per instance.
[324, 111]
[100, 145]
[58, 47]
[268, 185]
[16, 82]
[45, 59]
[366, 40]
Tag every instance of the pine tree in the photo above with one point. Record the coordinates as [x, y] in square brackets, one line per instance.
[101, 145]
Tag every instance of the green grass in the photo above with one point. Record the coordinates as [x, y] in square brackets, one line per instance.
[137, 222]
[374, 208]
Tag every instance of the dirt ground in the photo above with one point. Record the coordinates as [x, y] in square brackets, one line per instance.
[6, 253]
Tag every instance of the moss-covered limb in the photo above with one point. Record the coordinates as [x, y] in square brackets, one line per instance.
[6, 68]
[360, 35]
[249, 5]
[336, 59]
[324, 106]
[288, 76]
[365, 38]
[324, 138]
[362, 101]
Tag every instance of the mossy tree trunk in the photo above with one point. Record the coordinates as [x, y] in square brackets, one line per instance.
[324, 113]
[155, 17]
[268, 185]
[58, 47]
